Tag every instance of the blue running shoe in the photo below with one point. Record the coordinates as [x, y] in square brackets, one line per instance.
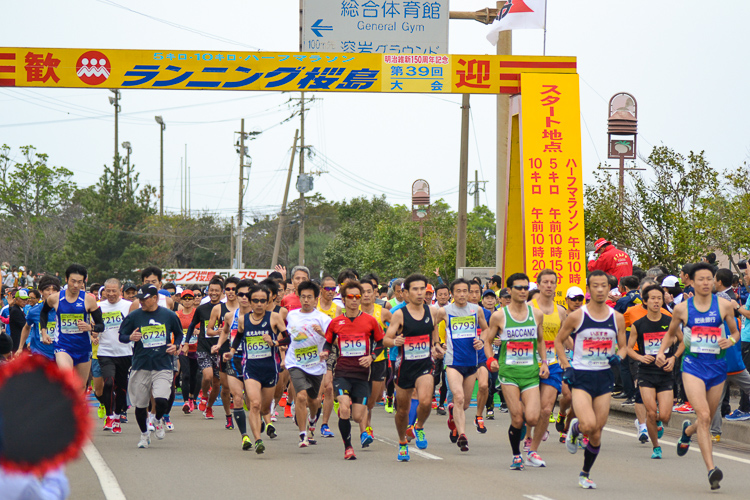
[421, 439]
[325, 431]
[657, 453]
[517, 463]
[659, 429]
[683, 445]
[366, 439]
[403, 453]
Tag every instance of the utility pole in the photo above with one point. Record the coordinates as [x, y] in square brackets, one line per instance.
[231, 243]
[282, 215]
[463, 181]
[242, 192]
[182, 188]
[474, 189]
[115, 101]
[129, 149]
[186, 182]
[302, 171]
[162, 126]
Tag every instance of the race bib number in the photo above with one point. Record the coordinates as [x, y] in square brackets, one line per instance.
[154, 336]
[193, 339]
[257, 348]
[652, 342]
[464, 327]
[596, 352]
[52, 332]
[307, 356]
[353, 345]
[519, 353]
[549, 346]
[69, 323]
[417, 347]
[705, 339]
[112, 321]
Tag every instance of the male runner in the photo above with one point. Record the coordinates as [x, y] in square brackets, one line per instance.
[595, 329]
[327, 306]
[697, 324]
[413, 331]
[483, 374]
[291, 300]
[73, 306]
[359, 339]
[39, 344]
[461, 356]
[573, 300]
[442, 298]
[218, 315]
[521, 330]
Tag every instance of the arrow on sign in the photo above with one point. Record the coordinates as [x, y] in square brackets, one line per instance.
[317, 28]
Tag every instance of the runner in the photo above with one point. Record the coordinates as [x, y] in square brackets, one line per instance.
[42, 345]
[257, 330]
[150, 328]
[697, 324]
[595, 329]
[359, 339]
[443, 297]
[518, 363]
[461, 356]
[332, 310]
[574, 301]
[218, 316]
[291, 300]
[413, 330]
[483, 374]
[654, 383]
[189, 371]
[306, 327]
[114, 357]
[73, 307]
[273, 286]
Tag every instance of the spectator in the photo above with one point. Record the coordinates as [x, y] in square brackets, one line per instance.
[630, 294]
[17, 319]
[6, 346]
[611, 260]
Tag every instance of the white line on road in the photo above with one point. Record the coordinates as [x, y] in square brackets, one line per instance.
[107, 479]
[692, 448]
[537, 497]
[417, 451]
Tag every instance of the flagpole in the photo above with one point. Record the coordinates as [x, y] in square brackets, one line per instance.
[544, 49]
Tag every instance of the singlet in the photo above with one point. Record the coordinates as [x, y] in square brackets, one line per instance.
[233, 333]
[330, 312]
[417, 336]
[518, 351]
[68, 315]
[185, 320]
[257, 351]
[377, 313]
[703, 331]
[460, 333]
[594, 342]
[650, 337]
[550, 327]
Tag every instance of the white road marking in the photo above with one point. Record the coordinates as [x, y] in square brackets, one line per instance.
[694, 447]
[537, 497]
[107, 479]
[412, 449]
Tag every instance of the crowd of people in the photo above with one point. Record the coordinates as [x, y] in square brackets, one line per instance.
[310, 346]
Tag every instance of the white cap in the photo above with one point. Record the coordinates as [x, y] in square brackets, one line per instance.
[178, 290]
[532, 286]
[21, 268]
[574, 291]
[670, 281]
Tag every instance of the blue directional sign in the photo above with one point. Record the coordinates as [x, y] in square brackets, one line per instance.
[317, 28]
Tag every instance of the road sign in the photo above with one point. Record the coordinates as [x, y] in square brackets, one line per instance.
[469, 273]
[375, 26]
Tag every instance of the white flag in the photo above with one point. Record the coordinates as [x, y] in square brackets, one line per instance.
[518, 15]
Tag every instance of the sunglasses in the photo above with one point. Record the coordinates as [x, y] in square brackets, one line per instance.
[520, 287]
[188, 297]
[234, 288]
[576, 298]
[259, 301]
[329, 288]
[243, 294]
[353, 296]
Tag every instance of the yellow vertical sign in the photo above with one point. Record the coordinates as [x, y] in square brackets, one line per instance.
[552, 181]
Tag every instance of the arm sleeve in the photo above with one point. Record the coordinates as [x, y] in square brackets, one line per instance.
[238, 340]
[126, 328]
[96, 314]
[378, 348]
[285, 339]
[43, 316]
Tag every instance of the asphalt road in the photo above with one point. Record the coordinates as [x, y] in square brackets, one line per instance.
[201, 459]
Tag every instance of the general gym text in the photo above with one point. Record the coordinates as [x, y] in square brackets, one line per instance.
[407, 27]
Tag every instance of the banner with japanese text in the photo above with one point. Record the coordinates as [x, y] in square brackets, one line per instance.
[203, 276]
[552, 182]
[270, 71]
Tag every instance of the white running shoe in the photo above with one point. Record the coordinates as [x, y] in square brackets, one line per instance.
[160, 429]
[145, 440]
[586, 483]
[534, 460]
[570, 441]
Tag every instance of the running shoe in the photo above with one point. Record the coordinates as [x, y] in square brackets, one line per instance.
[259, 447]
[186, 408]
[192, 405]
[570, 440]
[657, 453]
[274, 416]
[527, 444]
[683, 445]
[453, 435]
[313, 421]
[336, 407]
[637, 424]
[246, 442]
[479, 422]
[116, 429]
[150, 425]
[282, 401]
[202, 405]
[403, 453]
[366, 440]
[230, 425]
[287, 411]
[441, 411]
[583, 442]
[421, 439]
[108, 424]
[491, 414]
[552, 417]
[684, 408]
[303, 441]
[271, 431]
[434, 404]
[389, 408]
[463, 443]
[738, 415]
[159, 429]
[101, 412]
[659, 429]
[370, 432]
[310, 436]
[209, 413]
[325, 431]
[534, 460]
[714, 476]
[517, 463]
[145, 440]
[124, 418]
[451, 423]
[563, 436]
[262, 425]
[586, 483]
[349, 453]
[503, 408]
[523, 430]
[168, 423]
[643, 436]
[560, 422]
[716, 438]
[410, 433]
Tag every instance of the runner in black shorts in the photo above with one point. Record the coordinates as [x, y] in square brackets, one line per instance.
[360, 340]
[414, 331]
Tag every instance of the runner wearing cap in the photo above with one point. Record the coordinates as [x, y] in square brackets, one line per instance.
[189, 371]
[611, 260]
[429, 293]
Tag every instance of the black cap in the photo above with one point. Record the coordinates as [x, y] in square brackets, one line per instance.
[504, 293]
[146, 292]
[129, 286]
[496, 279]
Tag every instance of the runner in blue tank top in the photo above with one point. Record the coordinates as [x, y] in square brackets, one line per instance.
[697, 323]
[74, 331]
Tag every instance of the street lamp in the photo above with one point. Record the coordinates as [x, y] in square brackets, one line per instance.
[163, 125]
[129, 149]
[115, 101]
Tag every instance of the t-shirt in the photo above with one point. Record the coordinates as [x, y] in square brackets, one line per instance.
[306, 346]
[159, 328]
[291, 302]
[109, 340]
[355, 339]
[35, 338]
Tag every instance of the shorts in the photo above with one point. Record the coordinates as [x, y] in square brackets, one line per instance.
[96, 369]
[712, 373]
[660, 381]
[145, 383]
[465, 371]
[594, 382]
[267, 376]
[378, 370]
[358, 390]
[303, 381]
[206, 360]
[234, 367]
[407, 372]
[77, 357]
[555, 377]
[333, 356]
[517, 379]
